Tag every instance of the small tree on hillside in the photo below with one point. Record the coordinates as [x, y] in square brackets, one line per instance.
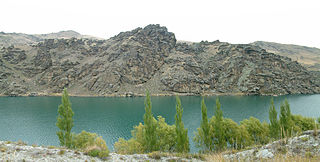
[150, 138]
[220, 141]
[274, 122]
[65, 121]
[182, 133]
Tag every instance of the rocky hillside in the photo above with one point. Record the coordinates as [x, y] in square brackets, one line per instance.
[8, 39]
[306, 146]
[307, 56]
[149, 58]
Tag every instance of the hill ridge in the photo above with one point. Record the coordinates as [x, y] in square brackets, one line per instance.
[149, 58]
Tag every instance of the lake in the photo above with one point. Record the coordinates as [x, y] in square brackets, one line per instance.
[32, 119]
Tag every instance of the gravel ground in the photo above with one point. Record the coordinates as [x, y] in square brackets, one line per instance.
[18, 151]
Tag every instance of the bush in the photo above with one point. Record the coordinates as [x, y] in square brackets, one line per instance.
[131, 146]
[84, 140]
[165, 134]
[93, 152]
[91, 144]
[61, 152]
[302, 123]
[258, 131]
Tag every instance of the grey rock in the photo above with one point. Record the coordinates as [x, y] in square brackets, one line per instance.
[149, 58]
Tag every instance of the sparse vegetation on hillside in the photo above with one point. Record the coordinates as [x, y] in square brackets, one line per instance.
[307, 56]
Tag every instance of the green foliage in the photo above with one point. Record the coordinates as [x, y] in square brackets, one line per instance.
[286, 122]
[274, 125]
[90, 143]
[203, 138]
[131, 146]
[166, 139]
[84, 139]
[94, 152]
[226, 129]
[236, 136]
[166, 136]
[216, 134]
[65, 121]
[302, 123]
[150, 136]
[258, 131]
[182, 133]
[61, 152]
[219, 135]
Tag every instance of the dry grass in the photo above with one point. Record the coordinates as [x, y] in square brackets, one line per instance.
[218, 157]
[157, 155]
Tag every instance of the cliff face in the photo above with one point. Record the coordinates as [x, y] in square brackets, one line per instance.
[149, 58]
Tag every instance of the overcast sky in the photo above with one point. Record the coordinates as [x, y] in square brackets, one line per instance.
[234, 21]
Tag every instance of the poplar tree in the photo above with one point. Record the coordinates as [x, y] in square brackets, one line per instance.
[220, 141]
[182, 144]
[204, 127]
[274, 122]
[286, 122]
[150, 137]
[65, 121]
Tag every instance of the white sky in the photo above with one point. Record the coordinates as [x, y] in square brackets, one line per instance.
[234, 21]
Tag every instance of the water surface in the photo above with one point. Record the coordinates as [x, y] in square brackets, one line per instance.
[32, 119]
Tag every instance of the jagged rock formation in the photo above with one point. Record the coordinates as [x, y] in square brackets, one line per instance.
[149, 58]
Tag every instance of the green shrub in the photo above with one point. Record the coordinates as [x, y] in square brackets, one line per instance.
[165, 134]
[131, 146]
[94, 152]
[52, 147]
[84, 140]
[90, 143]
[308, 155]
[103, 154]
[302, 123]
[304, 139]
[258, 131]
[61, 152]
[155, 155]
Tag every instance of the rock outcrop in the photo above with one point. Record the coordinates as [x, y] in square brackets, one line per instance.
[307, 145]
[149, 58]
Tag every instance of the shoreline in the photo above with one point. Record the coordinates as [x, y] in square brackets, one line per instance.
[130, 94]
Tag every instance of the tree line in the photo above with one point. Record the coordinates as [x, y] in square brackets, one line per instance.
[213, 135]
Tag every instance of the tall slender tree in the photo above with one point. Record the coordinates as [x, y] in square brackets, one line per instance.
[286, 122]
[204, 127]
[65, 121]
[150, 136]
[274, 122]
[220, 141]
[182, 133]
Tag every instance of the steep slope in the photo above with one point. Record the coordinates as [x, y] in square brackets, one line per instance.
[149, 58]
[307, 56]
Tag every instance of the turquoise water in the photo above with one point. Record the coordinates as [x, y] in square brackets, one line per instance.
[32, 119]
